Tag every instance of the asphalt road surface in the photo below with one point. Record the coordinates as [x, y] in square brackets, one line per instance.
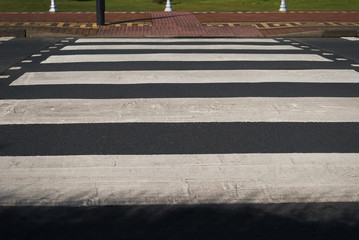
[179, 138]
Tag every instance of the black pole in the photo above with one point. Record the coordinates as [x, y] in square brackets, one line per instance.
[100, 12]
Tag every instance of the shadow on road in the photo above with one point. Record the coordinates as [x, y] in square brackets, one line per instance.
[256, 221]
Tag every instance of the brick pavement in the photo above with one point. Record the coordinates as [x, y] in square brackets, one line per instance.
[171, 24]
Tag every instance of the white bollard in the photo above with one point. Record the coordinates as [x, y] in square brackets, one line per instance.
[53, 7]
[283, 6]
[168, 6]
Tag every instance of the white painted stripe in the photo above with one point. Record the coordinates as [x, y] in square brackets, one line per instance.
[182, 47]
[351, 38]
[178, 179]
[82, 58]
[6, 38]
[209, 76]
[15, 68]
[149, 40]
[63, 111]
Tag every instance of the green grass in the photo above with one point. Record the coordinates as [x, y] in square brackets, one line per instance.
[178, 5]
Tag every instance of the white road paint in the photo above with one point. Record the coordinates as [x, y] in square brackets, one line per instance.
[4, 76]
[181, 47]
[198, 57]
[156, 40]
[185, 76]
[15, 68]
[164, 110]
[5, 39]
[351, 38]
[178, 179]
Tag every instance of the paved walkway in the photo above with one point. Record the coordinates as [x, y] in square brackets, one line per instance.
[196, 24]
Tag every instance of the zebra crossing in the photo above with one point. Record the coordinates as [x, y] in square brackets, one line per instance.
[179, 121]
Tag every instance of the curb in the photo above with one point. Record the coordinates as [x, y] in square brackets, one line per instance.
[335, 33]
[329, 33]
[19, 33]
[45, 34]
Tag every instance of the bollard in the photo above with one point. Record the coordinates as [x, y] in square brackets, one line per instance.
[53, 7]
[168, 6]
[283, 6]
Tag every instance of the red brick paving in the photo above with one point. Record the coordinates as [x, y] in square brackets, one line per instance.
[177, 23]
[278, 17]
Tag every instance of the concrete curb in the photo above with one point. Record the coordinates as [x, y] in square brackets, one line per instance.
[330, 33]
[19, 33]
[45, 34]
[335, 33]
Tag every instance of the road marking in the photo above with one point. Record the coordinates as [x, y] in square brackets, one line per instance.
[351, 38]
[178, 179]
[182, 47]
[4, 76]
[185, 76]
[198, 57]
[26, 61]
[156, 40]
[15, 68]
[6, 38]
[168, 110]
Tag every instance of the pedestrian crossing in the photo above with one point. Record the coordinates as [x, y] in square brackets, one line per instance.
[179, 121]
[187, 77]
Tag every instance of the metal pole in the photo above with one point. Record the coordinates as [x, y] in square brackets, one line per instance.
[100, 12]
[53, 7]
[283, 6]
[168, 6]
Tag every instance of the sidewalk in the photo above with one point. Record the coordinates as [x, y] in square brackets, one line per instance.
[181, 24]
